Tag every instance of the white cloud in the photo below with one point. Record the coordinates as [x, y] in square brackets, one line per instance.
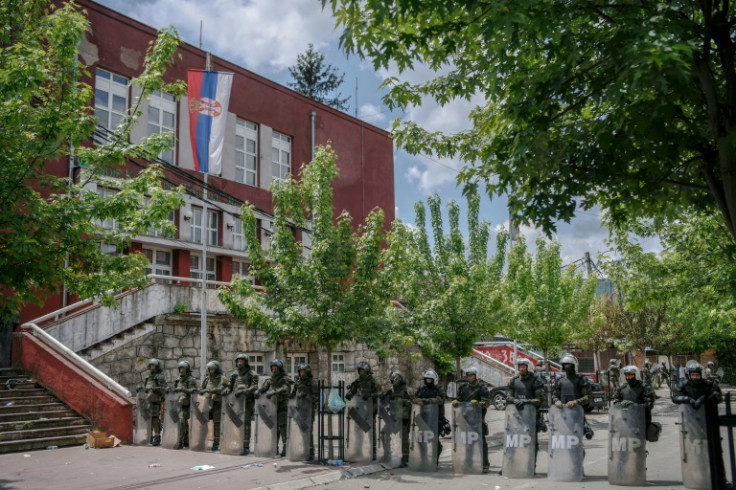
[429, 174]
[373, 114]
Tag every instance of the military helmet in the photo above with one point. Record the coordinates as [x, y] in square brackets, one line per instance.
[527, 362]
[215, 365]
[278, 363]
[432, 374]
[569, 359]
[647, 363]
[185, 365]
[471, 371]
[244, 357]
[695, 367]
[631, 369]
[364, 366]
[613, 362]
[711, 364]
[396, 376]
[306, 368]
[155, 362]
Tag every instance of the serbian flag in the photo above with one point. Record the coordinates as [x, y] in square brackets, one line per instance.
[209, 95]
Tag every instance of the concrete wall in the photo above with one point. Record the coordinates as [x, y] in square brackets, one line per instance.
[73, 386]
[177, 337]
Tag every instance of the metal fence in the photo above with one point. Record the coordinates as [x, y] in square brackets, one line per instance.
[330, 425]
[725, 420]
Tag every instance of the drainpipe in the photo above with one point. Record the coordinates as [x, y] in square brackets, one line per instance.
[311, 132]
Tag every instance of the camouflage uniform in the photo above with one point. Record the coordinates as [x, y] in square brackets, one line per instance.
[306, 390]
[399, 391]
[185, 385]
[646, 374]
[212, 385]
[244, 382]
[476, 391]
[155, 388]
[279, 384]
[614, 374]
[366, 387]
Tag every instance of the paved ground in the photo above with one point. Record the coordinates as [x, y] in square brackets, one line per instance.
[128, 468]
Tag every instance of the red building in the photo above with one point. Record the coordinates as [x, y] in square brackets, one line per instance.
[270, 133]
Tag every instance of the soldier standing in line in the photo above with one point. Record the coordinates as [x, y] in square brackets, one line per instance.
[212, 385]
[306, 390]
[433, 394]
[399, 391]
[614, 374]
[279, 384]
[185, 385]
[243, 382]
[367, 388]
[634, 391]
[524, 388]
[646, 373]
[572, 389]
[476, 393]
[155, 388]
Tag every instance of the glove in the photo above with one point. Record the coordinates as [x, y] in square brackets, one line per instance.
[348, 397]
[225, 392]
[366, 397]
[239, 393]
[696, 403]
[269, 394]
[519, 403]
[204, 391]
[455, 403]
[257, 394]
[558, 404]
[178, 390]
[473, 402]
[571, 403]
[626, 403]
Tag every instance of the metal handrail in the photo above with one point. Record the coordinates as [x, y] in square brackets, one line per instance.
[485, 357]
[528, 352]
[81, 363]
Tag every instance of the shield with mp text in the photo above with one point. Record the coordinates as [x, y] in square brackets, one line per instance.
[424, 438]
[467, 433]
[520, 441]
[566, 443]
[199, 411]
[627, 459]
[266, 440]
[694, 447]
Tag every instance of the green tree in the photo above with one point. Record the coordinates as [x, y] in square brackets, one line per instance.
[545, 304]
[626, 105]
[337, 288]
[450, 289]
[317, 80]
[51, 233]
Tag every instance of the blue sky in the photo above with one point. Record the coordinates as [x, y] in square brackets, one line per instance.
[265, 36]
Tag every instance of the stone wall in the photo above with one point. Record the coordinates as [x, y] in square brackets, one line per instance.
[177, 337]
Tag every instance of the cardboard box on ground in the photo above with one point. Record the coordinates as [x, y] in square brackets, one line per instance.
[99, 440]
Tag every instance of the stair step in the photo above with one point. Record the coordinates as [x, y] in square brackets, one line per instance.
[58, 431]
[41, 443]
[35, 407]
[35, 391]
[41, 424]
[42, 415]
[11, 371]
[22, 399]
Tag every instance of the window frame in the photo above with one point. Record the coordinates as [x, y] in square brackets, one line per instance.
[280, 145]
[248, 131]
[163, 103]
[112, 85]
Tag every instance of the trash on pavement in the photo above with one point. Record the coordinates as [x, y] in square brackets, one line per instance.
[154, 465]
[204, 467]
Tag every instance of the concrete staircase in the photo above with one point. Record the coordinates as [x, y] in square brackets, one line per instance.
[32, 418]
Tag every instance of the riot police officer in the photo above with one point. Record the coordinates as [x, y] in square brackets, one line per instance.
[572, 389]
[432, 393]
[155, 388]
[614, 373]
[400, 391]
[646, 373]
[525, 387]
[476, 393]
[306, 390]
[634, 391]
[185, 385]
[212, 385]
[278, 385]
[243, 382]
[365, 386]
[696, 390]
[711, 373]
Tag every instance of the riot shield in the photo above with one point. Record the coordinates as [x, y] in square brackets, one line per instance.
[467, 433]
[172, 416]
[299, 438]
[694, 448]
[520, 441]
[266, 427]
[233, 424]
[142, 433]
[566, 444]
[199, 412]
[359, 430]
[390, 416]
[627, 459]
[424, 438]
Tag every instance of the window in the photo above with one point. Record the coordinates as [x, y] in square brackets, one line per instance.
[292, 364]
[212, 224]
[241, 268]
[195, 268]
[162, 119]
[238, 237]
[256, 363]
[159, 261]
[111, 98]
[338, 363]
[246, 152]
[108, 224]
[281, 156]
[155, 231]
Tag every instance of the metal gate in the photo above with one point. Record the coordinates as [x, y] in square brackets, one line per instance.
[330, 426]
[725, 419]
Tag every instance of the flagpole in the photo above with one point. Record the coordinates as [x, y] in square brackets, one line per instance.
[203, 265]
